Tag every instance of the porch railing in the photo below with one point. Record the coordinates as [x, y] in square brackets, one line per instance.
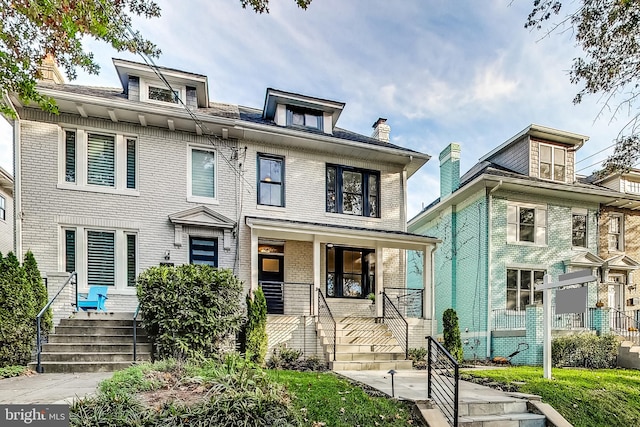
[624, 326]
[396, 323]
[288, 297]
[570, 320]
[409, 301]
[504, 319]
[73, 278]
[325, 318]
[443, 380]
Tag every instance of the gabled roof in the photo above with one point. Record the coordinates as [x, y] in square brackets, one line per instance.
[275, 97]
[584, 259]
[621, 262]
[201, 216]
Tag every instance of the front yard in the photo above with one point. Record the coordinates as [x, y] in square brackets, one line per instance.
[586, 398]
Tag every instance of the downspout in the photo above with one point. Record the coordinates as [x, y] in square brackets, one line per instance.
[489, 234]
[434, 329]
[17, 181]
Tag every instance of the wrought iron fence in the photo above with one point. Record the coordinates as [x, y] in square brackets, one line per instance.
[288, 297]
[326, 320]
[396, 323]
[443, 380]
[570, 320]
[409, 301]
[504, 319]
[624, 325]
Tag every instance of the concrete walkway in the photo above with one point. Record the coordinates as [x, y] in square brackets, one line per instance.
[50, 388]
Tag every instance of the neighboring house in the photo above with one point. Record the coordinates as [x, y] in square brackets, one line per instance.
[620, 243]
[6, 212]
[518, 214]
[131, 177]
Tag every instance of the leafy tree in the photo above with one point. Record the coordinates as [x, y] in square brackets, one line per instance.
[256, 327]
[30, 30]
[451, 332]
[608, 32]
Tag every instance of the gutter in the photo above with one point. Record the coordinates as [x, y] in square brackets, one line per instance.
[489, 243]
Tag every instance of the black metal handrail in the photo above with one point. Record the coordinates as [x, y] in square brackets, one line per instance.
[396, 322]
[73, 276]
[276, 293]
[135, 333]
[624, 326]
[327, 321]
[443, 378]
[409, 301]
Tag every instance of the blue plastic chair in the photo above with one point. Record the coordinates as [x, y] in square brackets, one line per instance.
[95, 299]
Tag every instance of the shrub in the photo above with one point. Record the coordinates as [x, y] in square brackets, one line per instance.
[585, 350]
[39, 291]
[190, 310]
[22, 295]
[451, 332]
[419, 357]
[294, 360]
[256, 327]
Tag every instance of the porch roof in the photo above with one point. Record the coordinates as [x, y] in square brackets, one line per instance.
[338, 234]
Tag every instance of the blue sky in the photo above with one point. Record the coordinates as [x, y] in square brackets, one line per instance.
[440, 71]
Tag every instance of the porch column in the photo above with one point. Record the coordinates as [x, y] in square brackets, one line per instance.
[379, 279]
[254, 260]
[316, 275]
[427, 283]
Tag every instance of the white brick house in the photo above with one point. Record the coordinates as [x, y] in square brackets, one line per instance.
[131, 177]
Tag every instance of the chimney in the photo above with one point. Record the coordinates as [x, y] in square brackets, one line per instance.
[449, 170]
[381, 130]
[49, 71]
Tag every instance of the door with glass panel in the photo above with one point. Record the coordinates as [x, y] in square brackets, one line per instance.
[271, 277]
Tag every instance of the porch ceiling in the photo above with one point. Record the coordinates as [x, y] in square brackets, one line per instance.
[338, 234]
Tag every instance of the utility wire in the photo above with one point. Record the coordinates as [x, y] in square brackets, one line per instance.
[604, 149]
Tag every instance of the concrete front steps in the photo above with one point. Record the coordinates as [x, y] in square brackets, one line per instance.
[502, 412]
[93, 342]
[363, 344]
[629, 355]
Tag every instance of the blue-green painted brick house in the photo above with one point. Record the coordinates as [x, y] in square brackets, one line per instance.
[516, 215]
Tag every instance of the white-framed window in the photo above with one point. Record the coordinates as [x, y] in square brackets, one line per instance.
[521, 285]
[202, 175]
[156, 91]
[3, 209]
[106, 257]
[616, 232]
[99, 161]
[579, 228]
[526, 223]
[553, 163]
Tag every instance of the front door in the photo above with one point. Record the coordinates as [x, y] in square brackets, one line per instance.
[271, 279]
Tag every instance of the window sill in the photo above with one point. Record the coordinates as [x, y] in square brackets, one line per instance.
[271, 208]
[98, 189]
[205, 200]
[356, 217]
[529, 244]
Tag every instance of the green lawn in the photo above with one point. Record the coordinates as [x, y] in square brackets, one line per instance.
[603, 397]
[323, 397]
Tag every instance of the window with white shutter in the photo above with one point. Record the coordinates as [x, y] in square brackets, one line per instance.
[526, 223]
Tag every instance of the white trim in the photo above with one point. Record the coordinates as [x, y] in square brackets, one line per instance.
[199, 199]
[177, 87]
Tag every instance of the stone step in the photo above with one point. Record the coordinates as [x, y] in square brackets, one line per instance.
[386, 339]
[628, 355]
[89, 339]
[350, 348]
[371, 357]
[91, 322]
[92, 357]
[101, 315]
[95, 347]
[75, 367]
[97, 330]
[370, 365]
[501, 407]
[506, 420]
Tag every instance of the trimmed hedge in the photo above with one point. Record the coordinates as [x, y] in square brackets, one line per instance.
[190, 310]
[585, 351]
[22, 296]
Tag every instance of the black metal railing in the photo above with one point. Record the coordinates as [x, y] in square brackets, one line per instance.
[298, 297]
[327, 321]
[135, 333]
[409, 301]
[625, 326]
[504, 319]
[570, 320]
[73, 278]
[396, 323]
[443, 379]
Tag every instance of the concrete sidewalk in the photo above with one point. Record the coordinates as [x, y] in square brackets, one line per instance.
[50, 388]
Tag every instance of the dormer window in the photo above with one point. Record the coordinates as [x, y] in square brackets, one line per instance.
[553, 163]
[164, 95]
[304, 118]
